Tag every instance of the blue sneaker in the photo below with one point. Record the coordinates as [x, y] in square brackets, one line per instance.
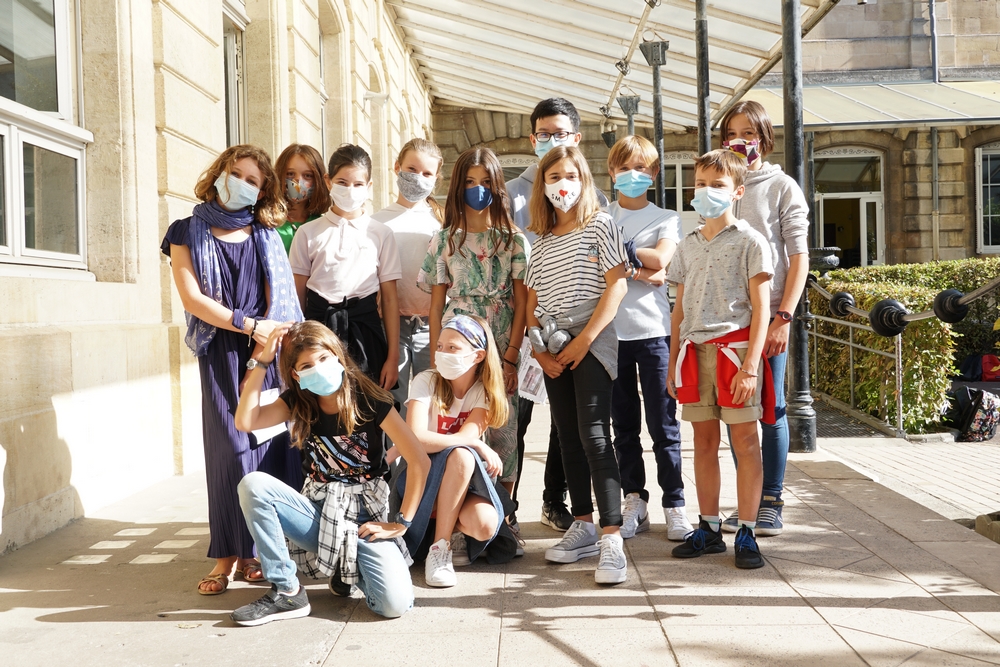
[747, 554]
[732, 523]
[769, 516]
[701, 540]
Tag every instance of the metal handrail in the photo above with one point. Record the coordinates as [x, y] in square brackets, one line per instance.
[889, 317]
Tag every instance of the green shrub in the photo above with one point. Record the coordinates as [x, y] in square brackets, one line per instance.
[976, 335]
[928, 349]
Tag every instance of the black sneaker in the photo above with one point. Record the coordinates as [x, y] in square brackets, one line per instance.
[274, 606]
[557, 516]
[338, 587]
[701, 540]
[747, 554]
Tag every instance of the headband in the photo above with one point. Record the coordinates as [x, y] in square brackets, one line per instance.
[471, 329]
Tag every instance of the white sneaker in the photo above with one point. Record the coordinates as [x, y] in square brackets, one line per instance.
[438, 570]
[677, 523]
[635, 517]
[579, 542]
[612, 569]
[459, 550]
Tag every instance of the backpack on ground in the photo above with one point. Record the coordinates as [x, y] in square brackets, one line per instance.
[975, 413]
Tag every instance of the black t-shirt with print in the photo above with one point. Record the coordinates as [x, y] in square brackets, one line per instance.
[330, 453]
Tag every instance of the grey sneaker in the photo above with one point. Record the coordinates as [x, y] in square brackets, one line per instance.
[459, 550]
[579, 542]
[635, 517]
[612, 568]
[769, 517]
[438, 570]
[678, 525]
[274, 606]
[732, 523]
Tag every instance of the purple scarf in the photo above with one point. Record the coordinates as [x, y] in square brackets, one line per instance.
[205, 260]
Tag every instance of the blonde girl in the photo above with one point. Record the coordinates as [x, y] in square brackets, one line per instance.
[339, 523]
[233, 278]
[476, 266]
[303, 189]
[414, 218]
[576, 280]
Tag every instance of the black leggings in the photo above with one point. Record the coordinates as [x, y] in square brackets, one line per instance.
[581, 408]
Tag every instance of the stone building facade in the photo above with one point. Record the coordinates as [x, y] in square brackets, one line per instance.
[109, 112]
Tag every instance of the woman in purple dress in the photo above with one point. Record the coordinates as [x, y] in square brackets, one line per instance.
[234, 280]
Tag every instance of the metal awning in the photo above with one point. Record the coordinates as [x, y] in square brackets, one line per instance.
[890, 105]
[505, 56]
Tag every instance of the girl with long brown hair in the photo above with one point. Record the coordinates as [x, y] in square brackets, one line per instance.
[304, 191]
[475, 266]
[233, 278]
[338, 523]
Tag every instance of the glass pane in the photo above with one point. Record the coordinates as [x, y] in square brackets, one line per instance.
[871, 231]
[687, 186]
[50, 213]
[28, 53]
[848, 174]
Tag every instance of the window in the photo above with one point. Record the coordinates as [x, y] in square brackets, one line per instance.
[232, 59]
[41, 155]
[988, 199]
[850, 204]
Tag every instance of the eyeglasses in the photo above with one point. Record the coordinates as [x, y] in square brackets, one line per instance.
[545, 136]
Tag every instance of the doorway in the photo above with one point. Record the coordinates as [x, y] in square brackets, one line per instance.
[855, 225]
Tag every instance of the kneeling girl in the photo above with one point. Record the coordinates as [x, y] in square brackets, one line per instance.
[338, 523]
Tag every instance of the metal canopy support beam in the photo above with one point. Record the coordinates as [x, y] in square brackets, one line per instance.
[801, 415]
[704, 101]
[655, 54]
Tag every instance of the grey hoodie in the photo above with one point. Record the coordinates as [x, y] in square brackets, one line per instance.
[775, 206]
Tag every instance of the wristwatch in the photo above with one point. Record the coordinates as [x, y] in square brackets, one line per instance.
[401, 520]
[785, 315]
[253, 363]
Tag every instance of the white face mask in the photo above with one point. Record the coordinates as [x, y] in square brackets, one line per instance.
[349, 198]
[454, 366]
[564, 194]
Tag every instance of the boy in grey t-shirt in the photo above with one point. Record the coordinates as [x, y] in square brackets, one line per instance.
[722, 272]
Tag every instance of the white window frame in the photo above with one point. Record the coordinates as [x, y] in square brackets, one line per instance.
[20, 124]
[981, 247]
[863, 198]
[677, 160]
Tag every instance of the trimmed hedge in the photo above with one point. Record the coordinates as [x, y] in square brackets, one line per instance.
[928, 351]
[976, 335]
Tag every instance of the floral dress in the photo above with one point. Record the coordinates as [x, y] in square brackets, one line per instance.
[481, 282]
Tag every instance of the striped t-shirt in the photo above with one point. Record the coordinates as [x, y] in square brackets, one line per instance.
[569, 269]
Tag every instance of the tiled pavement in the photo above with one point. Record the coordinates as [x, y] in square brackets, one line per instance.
[862, 576]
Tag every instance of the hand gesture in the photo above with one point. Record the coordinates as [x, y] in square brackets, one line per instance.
[671, 385]
[573, 353]
[264, 329]
[742, 387]
[777, 337]
[374, 530]
[273, 340]
[509, 378]
[549, 365]
[494, 465]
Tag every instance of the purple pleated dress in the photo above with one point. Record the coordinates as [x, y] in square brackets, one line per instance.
[229, 453]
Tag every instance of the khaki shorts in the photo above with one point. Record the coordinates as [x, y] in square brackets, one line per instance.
[708, 409]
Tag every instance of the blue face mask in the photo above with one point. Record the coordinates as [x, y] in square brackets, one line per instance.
[322, 379]
[235, 194]
[632, 183]
[712, 202]
[543, 147]
[478, 197]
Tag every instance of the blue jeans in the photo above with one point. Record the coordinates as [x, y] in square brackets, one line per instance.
[274, 511]
[414, 355]
[652, 357]
[774, 437]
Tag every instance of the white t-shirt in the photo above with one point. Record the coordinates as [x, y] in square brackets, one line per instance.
[645, 311]
[344, 258]
[422, 391]
[569, 269]
[413, 229]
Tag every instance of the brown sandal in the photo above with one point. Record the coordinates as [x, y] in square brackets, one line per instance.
[250, 569]
[220, 579]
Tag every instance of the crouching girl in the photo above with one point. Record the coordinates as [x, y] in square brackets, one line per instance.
[338, 524]
[449, 410]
